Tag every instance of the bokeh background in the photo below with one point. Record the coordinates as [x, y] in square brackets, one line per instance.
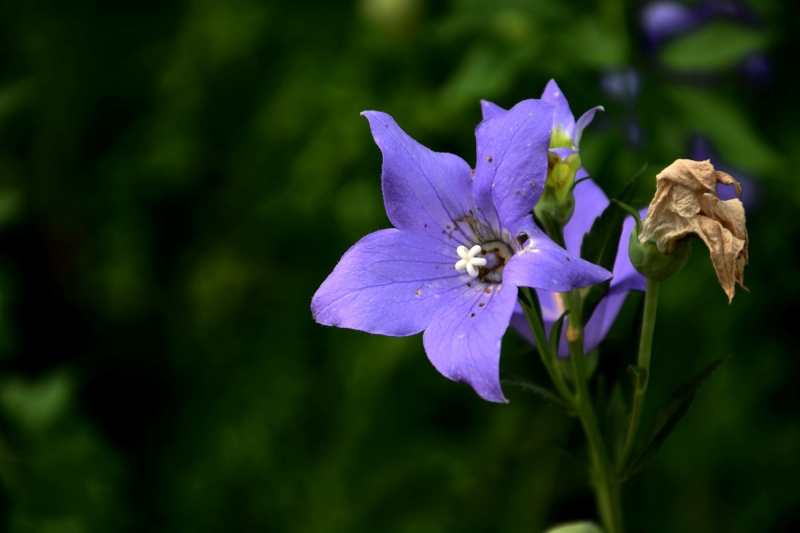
[177, 178]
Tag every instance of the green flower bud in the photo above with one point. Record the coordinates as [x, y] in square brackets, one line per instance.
[557, 203]
[646, 258]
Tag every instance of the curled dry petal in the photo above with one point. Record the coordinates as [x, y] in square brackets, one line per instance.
[686, 202]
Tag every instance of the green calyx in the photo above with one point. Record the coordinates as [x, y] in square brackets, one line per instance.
[560, 139]
[557, 202]
[649, 261]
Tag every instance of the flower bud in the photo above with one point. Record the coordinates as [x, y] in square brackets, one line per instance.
[557, 202]
[651, 263]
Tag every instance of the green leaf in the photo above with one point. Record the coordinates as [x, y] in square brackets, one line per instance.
[614, 414]
[667, 417]
[555, 333]
[576, 527]
[592, 360]
[600, 244]
[725, 123]
[717, 46]
[529, 386]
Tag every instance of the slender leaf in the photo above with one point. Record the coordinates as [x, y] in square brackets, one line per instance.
[701, 50]
[555, 333]
[667, 418]
[529, 386]
[600, 244]
[576, 527]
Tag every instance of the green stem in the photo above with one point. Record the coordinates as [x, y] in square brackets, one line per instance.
[645, 351]
[602, 473]
[548, 357]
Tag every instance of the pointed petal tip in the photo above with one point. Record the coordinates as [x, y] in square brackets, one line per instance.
[491, 110]
[491, 393]
[550, 87]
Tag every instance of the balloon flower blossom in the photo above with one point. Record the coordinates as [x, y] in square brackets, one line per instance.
[590, 202]
[463, 242]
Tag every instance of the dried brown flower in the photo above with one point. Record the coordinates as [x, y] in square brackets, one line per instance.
[686, 202]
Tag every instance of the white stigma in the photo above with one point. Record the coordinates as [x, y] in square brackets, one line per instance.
[468, 260]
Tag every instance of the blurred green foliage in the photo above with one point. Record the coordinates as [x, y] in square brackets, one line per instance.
[177, 179]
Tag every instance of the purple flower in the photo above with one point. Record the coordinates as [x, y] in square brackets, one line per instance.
[590, 201]
[623, 85]
[663, 20]
[426, 273]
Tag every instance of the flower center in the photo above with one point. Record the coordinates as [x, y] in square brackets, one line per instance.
[489, 267]
[468, 261]
[497, 254]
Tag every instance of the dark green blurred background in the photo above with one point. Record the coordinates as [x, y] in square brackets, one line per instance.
[177, 179]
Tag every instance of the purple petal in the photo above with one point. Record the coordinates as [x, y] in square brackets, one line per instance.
[542, 264]
[491, 110]
[598, 326]
[594, 332]
[584, 121]
[590, 201]
[388, 283]
[463, 338]
[512, 160]
[563, 115]
[520, 323]
[627, 278]
[701, 149]
[424, 192]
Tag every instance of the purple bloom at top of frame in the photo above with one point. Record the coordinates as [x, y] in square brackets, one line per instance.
[666, 19]
[701, 149]
[662, 20]
[567, 132]
[462, 243]
[590, 201]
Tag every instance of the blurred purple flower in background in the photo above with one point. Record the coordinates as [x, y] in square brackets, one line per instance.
[757, 69]
[665, 20]
[623, 86]
[701, 149]
[461, 245]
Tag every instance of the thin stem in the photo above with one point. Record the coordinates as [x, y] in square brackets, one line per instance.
[645, 351]
[548, 358]
[606, 489]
